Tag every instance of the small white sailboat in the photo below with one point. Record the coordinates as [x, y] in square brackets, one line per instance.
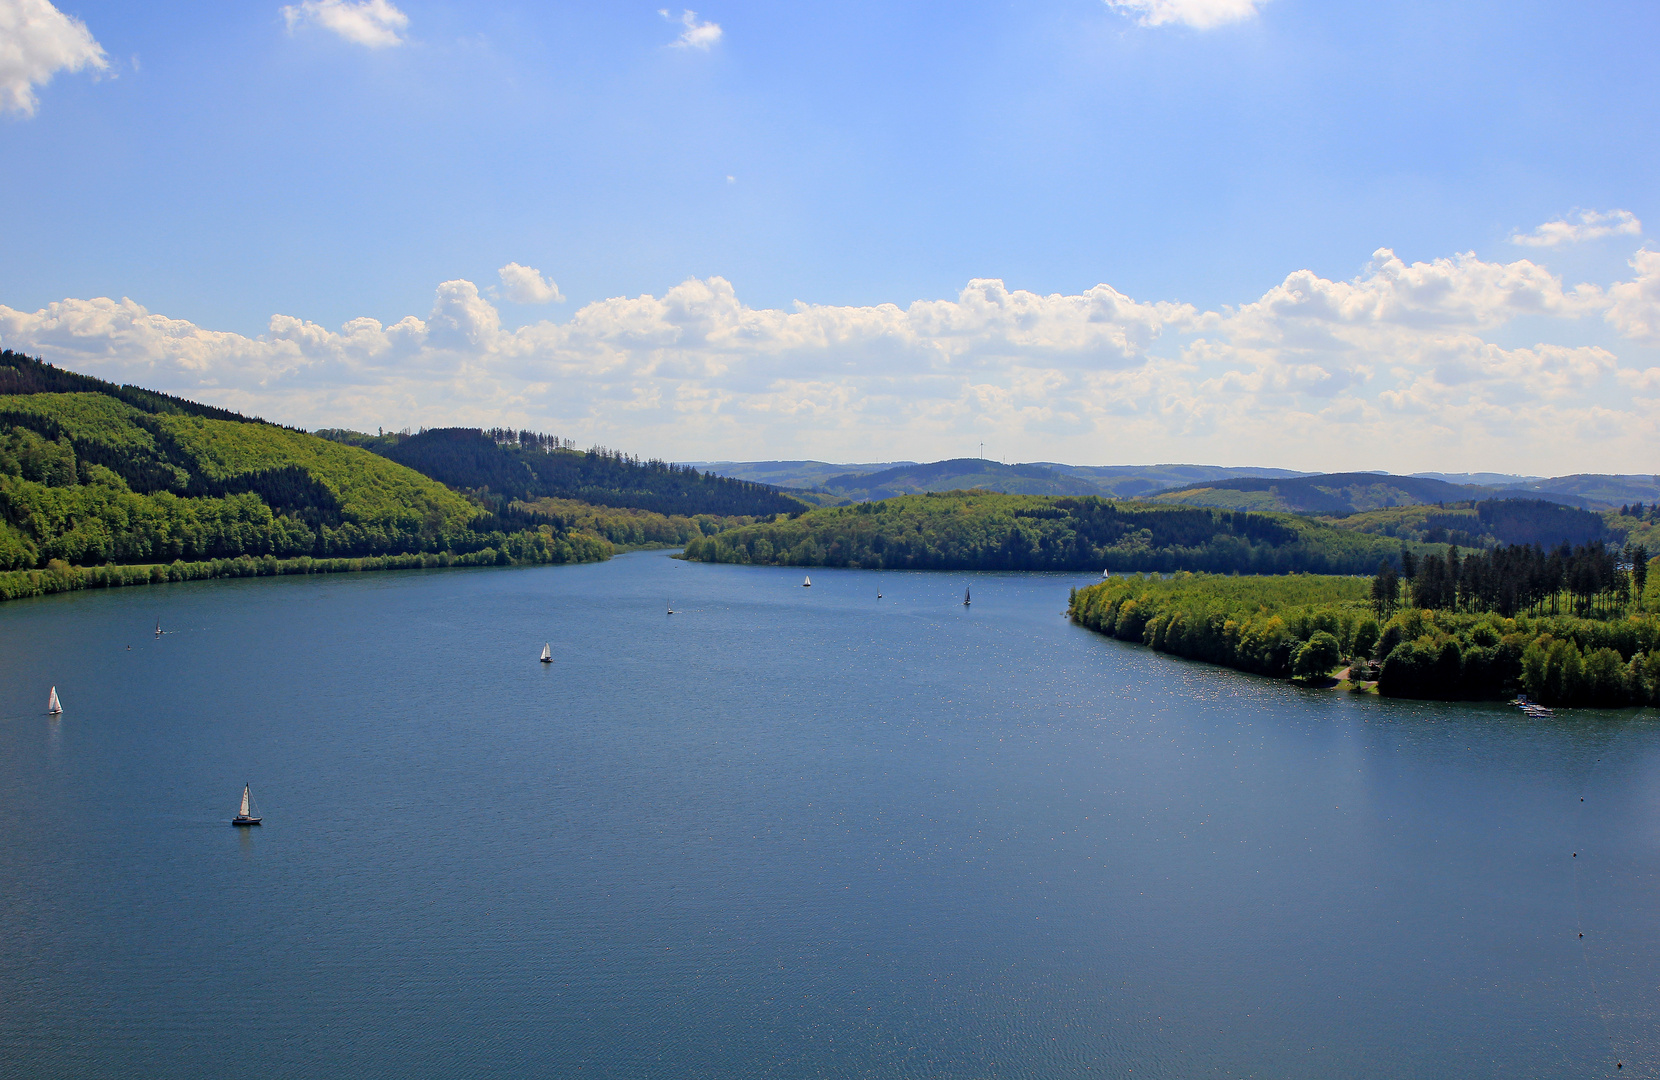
[807, 581]
[53, 707]
[547, 653]
[671, 609]
[158, 628]
[966, 599]
[245, 816]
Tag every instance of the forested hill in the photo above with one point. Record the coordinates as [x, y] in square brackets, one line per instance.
[120, 476]
[526, 466]
[1340, 494]
[977, 530]
[21, 374]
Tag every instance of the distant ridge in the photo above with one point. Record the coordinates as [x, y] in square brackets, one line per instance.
[1342, 494]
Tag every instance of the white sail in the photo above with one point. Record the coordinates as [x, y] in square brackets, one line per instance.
[807, 581]
[52, 705]
[547, 651]
[244, 811]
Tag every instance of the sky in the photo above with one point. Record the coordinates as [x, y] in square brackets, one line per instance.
[1309, 234]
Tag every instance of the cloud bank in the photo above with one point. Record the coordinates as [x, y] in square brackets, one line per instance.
[1580, 226]
[1406, 366]
[1199, 14]
[374, 24]
[36, 42]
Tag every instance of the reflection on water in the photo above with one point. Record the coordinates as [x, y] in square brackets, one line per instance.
[789, 833]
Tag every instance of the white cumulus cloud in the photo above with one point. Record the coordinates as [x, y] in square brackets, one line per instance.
[1579, 226]
[36, 42]
[1199, 14]
[1406, 366]
[526, 285]
[694, 34]
[374, 24]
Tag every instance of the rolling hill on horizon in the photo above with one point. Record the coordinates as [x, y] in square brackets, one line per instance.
[1342, 494]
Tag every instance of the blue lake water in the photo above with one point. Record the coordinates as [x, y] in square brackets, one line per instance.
[785, 833]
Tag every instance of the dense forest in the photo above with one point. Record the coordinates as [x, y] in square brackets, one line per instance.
[1310, 626]
[20, 374]
[976, 530]
[116, 475]
[1485, 523]
[526, 466]
[1590, 580]
[629, 528]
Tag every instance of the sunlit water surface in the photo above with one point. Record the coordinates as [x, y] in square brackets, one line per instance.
[784, 832]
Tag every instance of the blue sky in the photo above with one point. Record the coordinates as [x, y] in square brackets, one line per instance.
[247, 184]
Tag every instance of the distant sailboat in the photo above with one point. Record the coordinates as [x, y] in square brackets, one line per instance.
[878, 596]
[547, 653]
[52, 706]
[966, 598]
[671, 609]
[808, 582]
[245, 815]
[158, 628]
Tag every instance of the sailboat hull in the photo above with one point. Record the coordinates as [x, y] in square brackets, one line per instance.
[547, 659]
[245, 821]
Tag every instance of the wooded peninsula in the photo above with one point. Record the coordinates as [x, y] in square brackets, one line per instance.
[1570, 626]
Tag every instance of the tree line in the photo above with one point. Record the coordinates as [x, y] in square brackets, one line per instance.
[1311, 626]
[526, 466]
[1589, 580]
[980, 530]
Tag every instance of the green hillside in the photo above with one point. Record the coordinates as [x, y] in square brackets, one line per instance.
[1488, 523]
[978, 530]
[1340, 494]
[958, 474]
[503, 466]
[119, 476]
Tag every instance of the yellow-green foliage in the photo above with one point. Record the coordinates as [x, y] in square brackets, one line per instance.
[627, 527]
[371, 488]
[58, 576]
[1269, 624]
[1254, 623]
[88, 479]
[984, 530]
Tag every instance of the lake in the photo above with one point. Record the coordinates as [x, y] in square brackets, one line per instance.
[785, 833]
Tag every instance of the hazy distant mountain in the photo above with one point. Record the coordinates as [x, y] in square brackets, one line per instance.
[1611, 490]
[1237, 487]
[1483, 479]
[789, 474]
[1339, 494]
[958, 474]
[1137, 481]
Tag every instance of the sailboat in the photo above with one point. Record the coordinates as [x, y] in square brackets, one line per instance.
[158, 628]
[547, 653]
[245, 816]
[807, 583]
[52, 706]
[966, 599]
[671, 609]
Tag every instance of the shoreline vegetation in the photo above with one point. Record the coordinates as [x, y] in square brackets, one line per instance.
[60, 577]
[1585, 643]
